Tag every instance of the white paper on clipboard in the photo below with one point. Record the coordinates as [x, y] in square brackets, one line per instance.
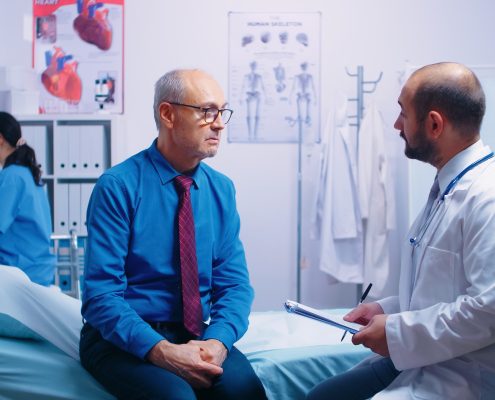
[300, 309]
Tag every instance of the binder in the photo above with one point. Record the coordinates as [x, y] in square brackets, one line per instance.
[61, 209]
[74, 143]
[86, 147]
[95, 135]
[64, 278]
[61, 151]
[75, 206]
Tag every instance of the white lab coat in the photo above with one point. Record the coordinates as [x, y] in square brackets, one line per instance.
[338, 221]
[444, 336]
[375, 199]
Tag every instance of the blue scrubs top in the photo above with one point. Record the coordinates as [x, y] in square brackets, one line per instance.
[132, 267]
[25, 225]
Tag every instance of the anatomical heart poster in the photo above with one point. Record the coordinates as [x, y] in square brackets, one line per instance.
[78, 54]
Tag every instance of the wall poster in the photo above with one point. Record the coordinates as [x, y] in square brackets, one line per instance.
[78, 54]
[274, 77]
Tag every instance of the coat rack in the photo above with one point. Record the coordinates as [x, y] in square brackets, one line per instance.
[362, 87]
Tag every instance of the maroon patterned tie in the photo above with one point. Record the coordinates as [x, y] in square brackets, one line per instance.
[191, 303]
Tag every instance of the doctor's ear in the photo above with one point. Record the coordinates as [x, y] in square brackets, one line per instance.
[435, 123]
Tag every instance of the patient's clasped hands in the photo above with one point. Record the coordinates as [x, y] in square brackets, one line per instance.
[373, 334]
[197, 362]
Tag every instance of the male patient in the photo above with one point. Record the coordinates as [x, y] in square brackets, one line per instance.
[164, 256]
[440, 330]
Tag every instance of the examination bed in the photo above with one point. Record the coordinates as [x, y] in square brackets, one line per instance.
[39, 333]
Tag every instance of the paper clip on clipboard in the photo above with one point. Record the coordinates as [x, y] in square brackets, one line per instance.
[297, 308]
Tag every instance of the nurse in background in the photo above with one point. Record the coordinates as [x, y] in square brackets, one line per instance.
[25, 221]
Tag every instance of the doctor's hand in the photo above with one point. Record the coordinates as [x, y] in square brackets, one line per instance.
[212, 351]
[374, 336]
[184, 360]
[363, 313]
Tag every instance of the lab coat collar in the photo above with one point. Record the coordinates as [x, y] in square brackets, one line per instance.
[460, 161]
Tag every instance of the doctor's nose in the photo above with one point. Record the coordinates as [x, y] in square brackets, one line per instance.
[398, 123]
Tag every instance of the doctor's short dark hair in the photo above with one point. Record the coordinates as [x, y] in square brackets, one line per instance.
[463, 105]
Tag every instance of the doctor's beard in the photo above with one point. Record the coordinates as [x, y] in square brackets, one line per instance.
[422, 150]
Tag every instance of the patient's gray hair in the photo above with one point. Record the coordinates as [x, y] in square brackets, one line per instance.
[170, 87]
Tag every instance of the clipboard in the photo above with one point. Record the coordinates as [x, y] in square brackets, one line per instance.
[308, 312]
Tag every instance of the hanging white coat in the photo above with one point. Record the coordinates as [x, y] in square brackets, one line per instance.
[337, 217]
[375, 198]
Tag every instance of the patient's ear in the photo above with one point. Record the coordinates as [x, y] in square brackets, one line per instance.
[167, 114]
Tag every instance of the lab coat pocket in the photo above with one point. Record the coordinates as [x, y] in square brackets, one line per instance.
[436, 278]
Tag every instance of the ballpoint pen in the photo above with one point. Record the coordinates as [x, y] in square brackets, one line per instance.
[363, 297]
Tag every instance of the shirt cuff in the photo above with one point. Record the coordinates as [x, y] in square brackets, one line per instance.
[221, 333]
[141, 345]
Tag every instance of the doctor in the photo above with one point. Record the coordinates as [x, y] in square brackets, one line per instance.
[440, 330]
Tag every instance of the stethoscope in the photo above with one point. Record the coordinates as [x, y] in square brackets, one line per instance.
[414, 241]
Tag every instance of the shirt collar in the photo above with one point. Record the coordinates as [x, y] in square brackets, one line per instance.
[460, 161]
[166, 172]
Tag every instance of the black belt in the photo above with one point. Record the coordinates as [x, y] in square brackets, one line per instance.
[166, 325]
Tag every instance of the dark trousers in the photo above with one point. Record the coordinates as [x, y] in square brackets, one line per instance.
[358, 383]
[129, 377]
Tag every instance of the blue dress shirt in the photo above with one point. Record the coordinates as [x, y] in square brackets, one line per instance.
[25, 225]
[132, 269]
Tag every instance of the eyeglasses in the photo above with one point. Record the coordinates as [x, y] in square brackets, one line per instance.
[211, 113]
